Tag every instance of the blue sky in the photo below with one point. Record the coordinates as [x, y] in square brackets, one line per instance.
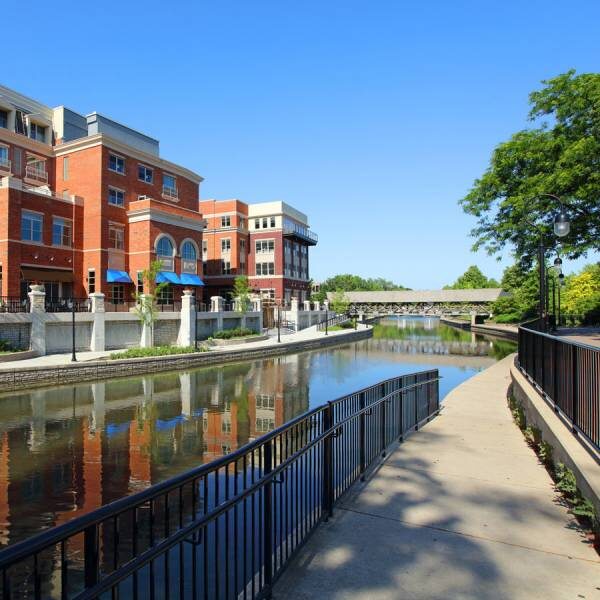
[374, 118]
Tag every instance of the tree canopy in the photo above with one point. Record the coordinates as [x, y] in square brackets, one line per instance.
[472, 278]
[559, 155]
[355, 283]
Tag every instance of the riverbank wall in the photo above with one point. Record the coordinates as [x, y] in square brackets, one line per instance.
[507, 332]
[42, 376]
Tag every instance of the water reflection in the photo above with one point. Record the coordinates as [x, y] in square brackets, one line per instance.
[66, 451]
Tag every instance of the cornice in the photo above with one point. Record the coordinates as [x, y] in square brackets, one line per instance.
[18, 139]
[149, 214]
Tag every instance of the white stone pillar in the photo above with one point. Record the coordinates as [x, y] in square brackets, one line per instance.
[185, 389]
[316, 305]
[98, 410]
[326, 305]
[147, 337]
[37, 308]
[98, 341]
[187, 325]
[307, 305]
[216, 304]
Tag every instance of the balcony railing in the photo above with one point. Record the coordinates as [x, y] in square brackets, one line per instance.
[5, 165]
[36, 174]
[170, 193]
[301, 233]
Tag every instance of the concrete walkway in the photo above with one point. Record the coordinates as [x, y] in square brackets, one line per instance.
[54, 360]
[462, 509]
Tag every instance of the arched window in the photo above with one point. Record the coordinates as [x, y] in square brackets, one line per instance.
[188, 251]
[164, 248]
[164, 252]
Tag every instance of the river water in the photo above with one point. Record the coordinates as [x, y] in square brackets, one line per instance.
[67, 450]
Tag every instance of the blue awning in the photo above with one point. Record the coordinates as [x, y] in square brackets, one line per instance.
[168, 277]
[113, 276]
[190, 279]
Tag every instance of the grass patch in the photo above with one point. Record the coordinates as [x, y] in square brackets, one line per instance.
[342, 326]
[227, 334]
[155, 351]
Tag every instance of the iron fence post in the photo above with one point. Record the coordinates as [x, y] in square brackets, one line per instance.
[575, 390]
[90, 556]
[401, 414]
[328, 463]
[383, 419]
[361, 435]
[268, 519]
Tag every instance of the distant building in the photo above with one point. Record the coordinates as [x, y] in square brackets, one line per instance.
[268, 242]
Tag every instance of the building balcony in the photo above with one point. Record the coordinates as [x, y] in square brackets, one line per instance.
[302, 234]
[36, 175]
[5, 166]
[170, 193]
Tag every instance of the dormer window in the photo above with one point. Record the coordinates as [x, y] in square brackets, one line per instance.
[37, 132]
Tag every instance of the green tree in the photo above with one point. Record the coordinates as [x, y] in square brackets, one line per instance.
[241, 291]
[145, 304]
[582, 294]
[560, 155]
[472, 278]
[354, 283]
[339, 302]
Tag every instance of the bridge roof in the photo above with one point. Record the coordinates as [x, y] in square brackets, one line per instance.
[425, 296]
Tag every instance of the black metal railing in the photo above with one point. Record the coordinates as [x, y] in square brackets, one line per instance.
[13, 304]
[568, 375]
[68, 305]
[333, 320]
[123, 306]
[225, 529]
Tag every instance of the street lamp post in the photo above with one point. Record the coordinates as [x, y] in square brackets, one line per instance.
[561, 226]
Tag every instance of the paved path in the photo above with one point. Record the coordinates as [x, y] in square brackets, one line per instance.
[52, 360]
[462, 509]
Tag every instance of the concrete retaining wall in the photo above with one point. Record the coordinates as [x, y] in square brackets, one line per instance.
[31, 377]
[568, 448]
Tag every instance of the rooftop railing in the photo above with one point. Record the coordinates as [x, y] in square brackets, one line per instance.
[226, 529]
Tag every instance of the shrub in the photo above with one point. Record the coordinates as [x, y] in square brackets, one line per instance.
[533, 435]
[546, 453]
[5, 346]
[227, 334]
[155, 351]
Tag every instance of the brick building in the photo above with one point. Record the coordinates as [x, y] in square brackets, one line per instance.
[268, 241]
[87, 203]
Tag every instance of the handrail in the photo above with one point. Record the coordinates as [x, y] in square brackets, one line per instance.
[404, 407]
[561, 338]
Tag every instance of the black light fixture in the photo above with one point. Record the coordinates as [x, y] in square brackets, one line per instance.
[562, 225]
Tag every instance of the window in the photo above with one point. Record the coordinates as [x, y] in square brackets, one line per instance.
[17, 161]
[140, 282]
[145, 173]
[116, 164]
[164, 251]
[226, 245]
[264, 246]
[165, 296]
[37, 132]
[265, 268]
[188, 251]
[242, 245]
[116, 197]
[268, 293]
[256, 223]
[65, 168]
[226, 426]
[264, 222]
[31, 226]
[225, 221]
[225, 267]
[116, 237]
[169, 184]
[91, 281]
[204, 246]
[264, 425]
[272, 221]
[4, 157]
[61, 231]
[265, 401]
[3, 119]
[242, 223]
[117, 294]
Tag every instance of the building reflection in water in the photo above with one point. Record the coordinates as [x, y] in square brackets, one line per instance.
[66, 451]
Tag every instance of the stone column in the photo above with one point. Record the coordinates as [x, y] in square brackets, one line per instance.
[187, 326]
[216, 306]
[147, 337]
[307, 305]
[316, 305]
[37, 308]
[98, 341]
